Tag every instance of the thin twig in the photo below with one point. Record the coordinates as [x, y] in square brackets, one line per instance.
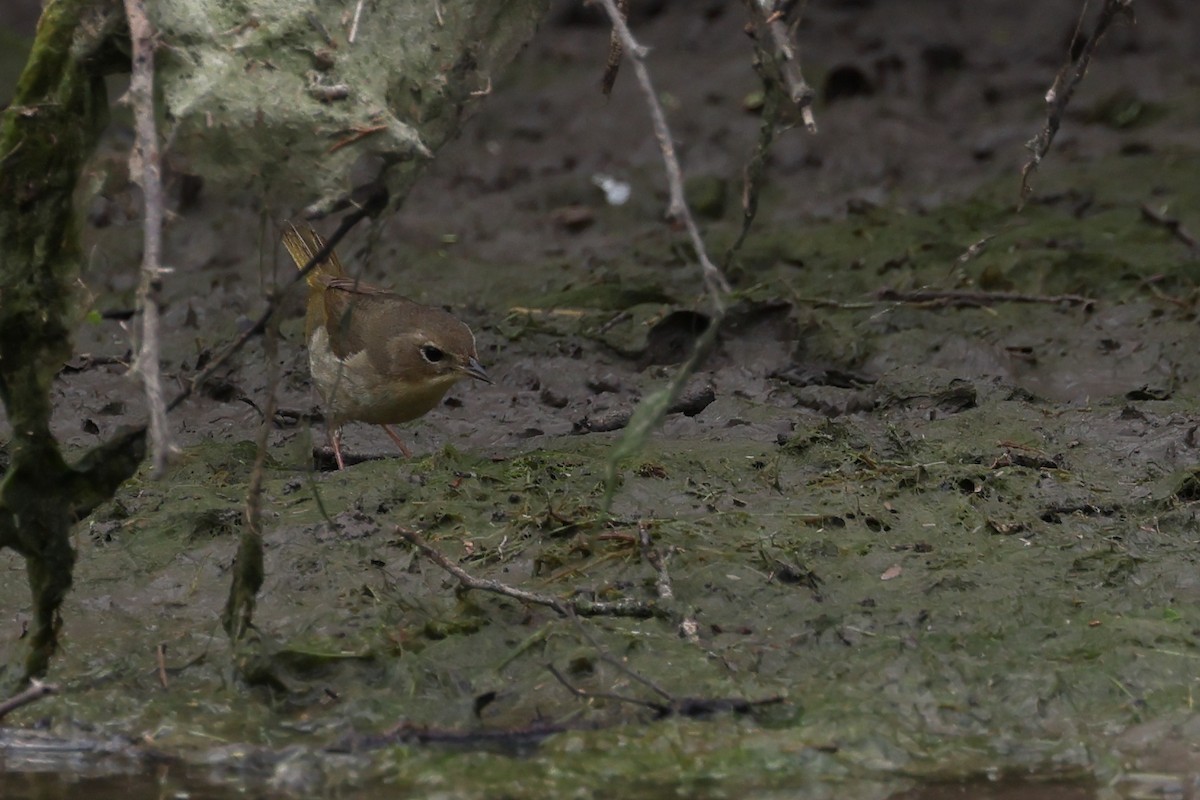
[583, 694]
[677, 209]
[160, 655]
[354, 26]
[662, 581]
[954, 297]
[412, 733]
[620, 665]
[576, 605]
[1065, 83]
[36, 691]
[266, 424]
[681, 706]
[653, 408]
[1173, 226]
[247, 576]
[471, 582]
[356, 135]
[145, 167]
[829, 302]
[783, 52]
[689, 629]
[973, 252]
[756, 168]
[613, 65]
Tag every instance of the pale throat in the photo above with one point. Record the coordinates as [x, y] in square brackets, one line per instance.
[370, 400]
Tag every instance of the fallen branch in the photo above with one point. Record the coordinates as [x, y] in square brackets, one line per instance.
[410, 733]
[145, 168]
[36, 691]
[959, 298]
[522, 738]
[576, 605]
[1065, 84]
[829, 302]
[674, 706]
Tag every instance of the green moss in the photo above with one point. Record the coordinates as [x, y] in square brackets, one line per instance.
[963, 579]
[56, 115]
[14, 52]
[707, 195]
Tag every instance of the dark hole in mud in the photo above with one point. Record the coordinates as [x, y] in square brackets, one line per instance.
[216, 523]
[672, 339]
[1188, 489]
[959, 397]
[222, 390]
[847, 81]
[942, 58]
[483, 701]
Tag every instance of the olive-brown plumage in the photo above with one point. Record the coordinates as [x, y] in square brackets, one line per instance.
[376, 356]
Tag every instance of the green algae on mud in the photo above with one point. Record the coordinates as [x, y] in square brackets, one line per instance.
[978, 560]
[990, 646]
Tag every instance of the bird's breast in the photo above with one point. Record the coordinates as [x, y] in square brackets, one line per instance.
[352, 388]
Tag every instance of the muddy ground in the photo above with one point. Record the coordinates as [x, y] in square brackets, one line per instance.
[954, 541]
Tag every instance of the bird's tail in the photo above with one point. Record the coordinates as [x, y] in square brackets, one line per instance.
[303, 245]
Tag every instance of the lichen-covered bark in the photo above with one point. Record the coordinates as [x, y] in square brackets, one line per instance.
[57, 113]
[354, 102]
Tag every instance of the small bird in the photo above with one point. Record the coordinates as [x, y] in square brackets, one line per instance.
[376, 356]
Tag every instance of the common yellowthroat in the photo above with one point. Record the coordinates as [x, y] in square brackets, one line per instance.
[376, 356]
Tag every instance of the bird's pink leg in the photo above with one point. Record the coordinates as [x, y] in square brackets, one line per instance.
[396, 438]
[335, 441]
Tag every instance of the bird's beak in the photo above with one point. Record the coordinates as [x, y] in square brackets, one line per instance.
[476, 370]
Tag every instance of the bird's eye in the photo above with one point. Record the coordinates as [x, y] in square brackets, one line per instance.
[432, 354]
